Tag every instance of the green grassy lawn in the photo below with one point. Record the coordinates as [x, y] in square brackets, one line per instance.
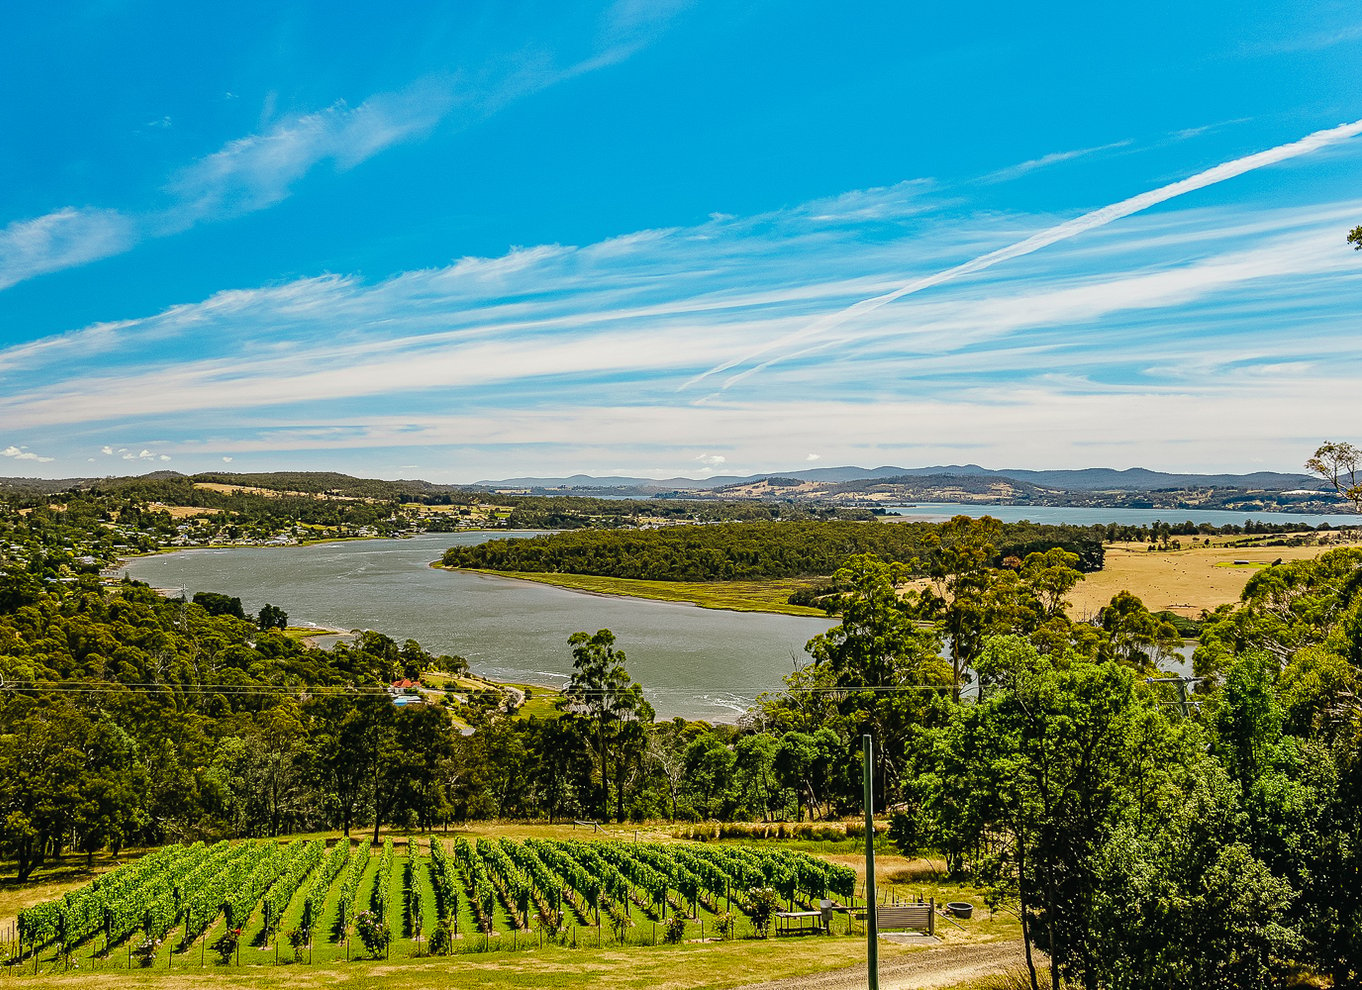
[736, 596]
[541, 702]
[326, 929]
[301, 633]
[668, 967]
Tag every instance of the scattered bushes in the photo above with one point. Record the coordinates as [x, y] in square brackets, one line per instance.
[723, 924]
[297, 938]
[760, 831]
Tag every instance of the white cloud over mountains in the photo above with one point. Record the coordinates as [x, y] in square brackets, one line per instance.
[24, 454]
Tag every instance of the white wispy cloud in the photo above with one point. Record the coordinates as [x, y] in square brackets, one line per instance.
[1060, 232]
[340, 339]
[135, 455]
[61, 239]
[24, 454]
[1310, 41]
[558, 351]
[260, 170]
[1045, 161]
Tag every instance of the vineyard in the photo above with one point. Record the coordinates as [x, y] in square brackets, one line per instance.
[239, 903]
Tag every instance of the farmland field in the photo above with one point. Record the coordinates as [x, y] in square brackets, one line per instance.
[489, 894]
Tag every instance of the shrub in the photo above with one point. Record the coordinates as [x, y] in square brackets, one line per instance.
[145, 951]
[905, 831]
[441, 942]
[226, 945]
[674, 929]
[723, 924]
[373, 932]
[297, 937]
[764, 902]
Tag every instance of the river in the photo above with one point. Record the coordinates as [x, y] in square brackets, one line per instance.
[693, 662]
[1076, 515]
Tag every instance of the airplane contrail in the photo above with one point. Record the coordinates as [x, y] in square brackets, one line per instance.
[1062, 232]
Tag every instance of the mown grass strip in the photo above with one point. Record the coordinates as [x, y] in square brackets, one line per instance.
[733, 596]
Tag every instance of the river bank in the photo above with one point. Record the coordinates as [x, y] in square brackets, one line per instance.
[733, 596]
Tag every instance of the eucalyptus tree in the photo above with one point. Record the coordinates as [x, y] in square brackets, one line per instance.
[1033, 780]
[608, 705]
[1340, 463]
[882, 667]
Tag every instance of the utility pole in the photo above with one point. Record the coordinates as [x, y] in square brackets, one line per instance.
[872, 933]
[1181, 681]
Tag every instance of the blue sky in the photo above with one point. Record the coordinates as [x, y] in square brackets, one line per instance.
[656, 237]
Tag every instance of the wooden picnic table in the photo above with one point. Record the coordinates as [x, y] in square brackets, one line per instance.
[794, 923]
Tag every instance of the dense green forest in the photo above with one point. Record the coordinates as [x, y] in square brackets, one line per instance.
[772, 549]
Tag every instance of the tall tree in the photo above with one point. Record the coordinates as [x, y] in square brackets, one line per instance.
[1339, 464]
[1050, 576]
[1038, 771]
[605, 700]
[888, 674]
[973, 598]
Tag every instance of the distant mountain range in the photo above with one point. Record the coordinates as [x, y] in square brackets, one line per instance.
[1085, 479]
[849, 487]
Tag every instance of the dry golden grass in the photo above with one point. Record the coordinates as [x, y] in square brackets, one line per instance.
[1183, 581]
[272, 493]
[182, 511]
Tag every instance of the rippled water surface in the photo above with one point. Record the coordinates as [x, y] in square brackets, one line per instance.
[699, 663]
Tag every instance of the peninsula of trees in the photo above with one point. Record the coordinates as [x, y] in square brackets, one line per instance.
[729, 552]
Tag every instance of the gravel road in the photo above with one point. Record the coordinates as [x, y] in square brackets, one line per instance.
[945, 966]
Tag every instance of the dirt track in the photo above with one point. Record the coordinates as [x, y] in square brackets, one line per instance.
[945, 966]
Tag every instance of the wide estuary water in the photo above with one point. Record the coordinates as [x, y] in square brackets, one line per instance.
[1088, 515]
[694, 662]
